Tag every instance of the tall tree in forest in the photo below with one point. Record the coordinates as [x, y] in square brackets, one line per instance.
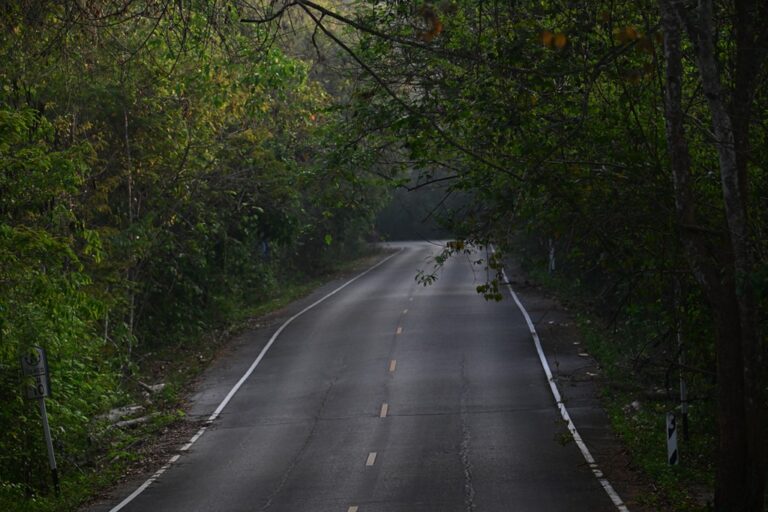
[725, 268]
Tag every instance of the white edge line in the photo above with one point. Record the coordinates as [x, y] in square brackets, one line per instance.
[609, 490]
[240, 382]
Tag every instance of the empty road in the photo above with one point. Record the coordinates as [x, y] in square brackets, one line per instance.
[387, 396]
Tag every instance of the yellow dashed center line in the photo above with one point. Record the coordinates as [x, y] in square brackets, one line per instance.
[371, 459]
[392, 365]
[399, 330]
[384, 410]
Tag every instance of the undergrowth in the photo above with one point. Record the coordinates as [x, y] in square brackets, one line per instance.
[117, 451]
[637, 392]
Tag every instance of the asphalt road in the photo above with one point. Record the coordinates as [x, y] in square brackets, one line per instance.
[388, 396]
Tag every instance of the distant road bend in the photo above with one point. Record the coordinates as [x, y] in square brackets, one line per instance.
[387, 396]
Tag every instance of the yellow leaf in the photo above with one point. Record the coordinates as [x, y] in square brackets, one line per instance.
[547, 37]
[560, 40]
[626, 34]
[435, 25]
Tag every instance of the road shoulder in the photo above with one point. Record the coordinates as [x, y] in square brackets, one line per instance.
[579, 378]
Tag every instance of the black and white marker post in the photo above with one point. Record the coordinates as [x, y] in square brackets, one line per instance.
[37, 380]
[672, 457]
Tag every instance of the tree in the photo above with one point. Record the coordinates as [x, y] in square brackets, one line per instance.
[162, 168]
[725, 271]
[573, 120]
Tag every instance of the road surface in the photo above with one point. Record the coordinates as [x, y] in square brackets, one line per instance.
[387, 396]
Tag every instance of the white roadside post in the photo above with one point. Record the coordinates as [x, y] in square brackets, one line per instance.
[672, 456]
[37, 381]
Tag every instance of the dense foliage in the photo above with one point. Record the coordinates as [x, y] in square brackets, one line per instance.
[163, 161]
[627, 139]
[160, 164]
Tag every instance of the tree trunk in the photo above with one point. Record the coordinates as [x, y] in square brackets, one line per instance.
[732, 462]
[743, 357]
[740, 459]
[751, 36]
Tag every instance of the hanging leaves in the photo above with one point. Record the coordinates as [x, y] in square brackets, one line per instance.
[433, 22]
[553, 40]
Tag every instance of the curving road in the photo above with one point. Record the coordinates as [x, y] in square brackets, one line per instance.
[387, 396]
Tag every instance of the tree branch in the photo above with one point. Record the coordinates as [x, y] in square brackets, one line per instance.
[410, 109]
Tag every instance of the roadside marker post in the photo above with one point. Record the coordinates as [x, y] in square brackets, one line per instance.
[672, 456]
[681, 361]
[37, 381]
[551, 266]
[684, 406]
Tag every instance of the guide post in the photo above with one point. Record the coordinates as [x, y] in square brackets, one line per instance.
[672, 456]
[37, 380]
